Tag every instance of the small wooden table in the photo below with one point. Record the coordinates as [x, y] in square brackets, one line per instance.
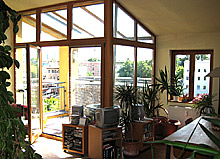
[199, 136]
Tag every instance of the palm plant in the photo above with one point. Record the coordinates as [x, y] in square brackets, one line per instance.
[151, 99]
[173, 86]
[127, 98]
[203, 104]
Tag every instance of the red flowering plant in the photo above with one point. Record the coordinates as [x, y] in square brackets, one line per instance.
[203, 104]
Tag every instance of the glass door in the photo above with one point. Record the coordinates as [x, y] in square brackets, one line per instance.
[28, 94]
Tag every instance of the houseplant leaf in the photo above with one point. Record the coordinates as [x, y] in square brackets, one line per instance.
[214, 121]
[198, 148]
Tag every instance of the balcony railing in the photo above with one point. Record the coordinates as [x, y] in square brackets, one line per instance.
[53, 96]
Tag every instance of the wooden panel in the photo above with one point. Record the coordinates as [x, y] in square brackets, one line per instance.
[108, 72]
[95, 142]
[139, 133]
[133, 43]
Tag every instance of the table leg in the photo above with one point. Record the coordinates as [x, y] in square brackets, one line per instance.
[168, 152]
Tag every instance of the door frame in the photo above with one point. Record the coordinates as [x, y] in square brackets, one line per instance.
[29, 128]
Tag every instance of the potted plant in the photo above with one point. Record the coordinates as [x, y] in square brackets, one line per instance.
[13, 143]
[176, 87]
[203, 104]
[151, 103]
[126, 95]
[172, 86]
[150, 99]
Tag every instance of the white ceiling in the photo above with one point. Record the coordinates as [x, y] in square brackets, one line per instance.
[162, 17]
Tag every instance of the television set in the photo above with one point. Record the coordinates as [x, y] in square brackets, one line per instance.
[76, 113]
[138, 112]
[107, 117]
[77, 110]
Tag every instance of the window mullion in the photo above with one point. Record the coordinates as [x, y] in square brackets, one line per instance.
[192, 73]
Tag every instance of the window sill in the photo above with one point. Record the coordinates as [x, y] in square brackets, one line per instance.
[180, 103]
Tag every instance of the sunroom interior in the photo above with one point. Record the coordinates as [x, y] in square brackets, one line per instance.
[76, 52]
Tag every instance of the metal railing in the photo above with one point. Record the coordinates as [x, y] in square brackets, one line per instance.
[53, 96]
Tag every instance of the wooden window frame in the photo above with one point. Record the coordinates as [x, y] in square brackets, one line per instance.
[192, 54]
[107, 42]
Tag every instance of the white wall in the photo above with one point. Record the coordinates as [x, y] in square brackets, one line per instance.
[9, 41]
[166, 43]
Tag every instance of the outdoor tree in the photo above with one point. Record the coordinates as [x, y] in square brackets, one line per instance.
[89, 73]
[144, 69]
[127, 69]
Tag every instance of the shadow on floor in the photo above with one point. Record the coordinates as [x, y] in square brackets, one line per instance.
[52, 149]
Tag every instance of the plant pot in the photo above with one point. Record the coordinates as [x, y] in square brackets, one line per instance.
[180, 99]
[131, 148]
[168, 128]
[175, 98]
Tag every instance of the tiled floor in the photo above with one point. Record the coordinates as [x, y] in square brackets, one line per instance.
[52, 149]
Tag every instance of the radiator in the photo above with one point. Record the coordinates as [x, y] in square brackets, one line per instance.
[182, 113]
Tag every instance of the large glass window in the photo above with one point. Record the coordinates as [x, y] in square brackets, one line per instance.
[182, 67]
[86, 76]
[144, 66]
[27, 29]
[202, 62]
[193, 66]
[54, 25]
[88, 21]
[124, 27]
[143, 35]
[124, 65]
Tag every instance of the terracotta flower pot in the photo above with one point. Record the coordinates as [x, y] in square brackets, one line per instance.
[131, 149]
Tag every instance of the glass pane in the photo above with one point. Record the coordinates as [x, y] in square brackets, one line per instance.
[27, 29]
[35, 92]
[54, 25]
[144, 66]
[124, 25]
[143, 35]
[54, 84]
[86, 76]
[183, 67]
[88, 22]
[202, 68]
[124, 65]
[21, 82]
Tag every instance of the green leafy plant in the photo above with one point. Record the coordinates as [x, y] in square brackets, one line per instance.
[150, 99]
[176, 87]
[13, 143]
[172, 86]
[52, 104]
[127, 98]
[203, 104]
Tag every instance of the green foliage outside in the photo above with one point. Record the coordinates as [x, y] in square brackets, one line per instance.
[89, 73]
[94, 60]
[180, 63]
[144, 69]
[51, 104]
[34, 68]
[13, 143]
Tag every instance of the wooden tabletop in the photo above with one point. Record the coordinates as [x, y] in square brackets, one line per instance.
[199, 137]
